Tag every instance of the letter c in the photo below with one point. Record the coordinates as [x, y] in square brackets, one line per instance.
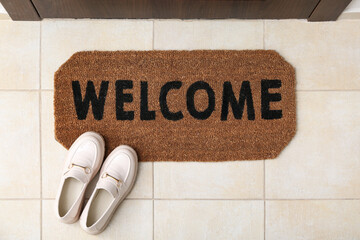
[174, 116]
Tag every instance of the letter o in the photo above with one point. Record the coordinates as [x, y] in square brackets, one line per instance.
[191, 104]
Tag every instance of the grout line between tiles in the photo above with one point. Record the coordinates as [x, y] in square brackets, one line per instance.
[264, 195]
[19, 199]
[264, 47]
[264, 219]
[153, 203]
[255, 199]
[313, 199]
[205, 199]
[153, 220]
[40, 155]
[40, 138]
[329, 90]
[20, 90]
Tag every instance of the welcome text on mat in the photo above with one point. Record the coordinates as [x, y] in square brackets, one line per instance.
[228, 98]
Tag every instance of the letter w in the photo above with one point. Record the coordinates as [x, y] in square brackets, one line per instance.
[82, 106]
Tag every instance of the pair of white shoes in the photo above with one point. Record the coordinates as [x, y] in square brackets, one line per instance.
[117, 177]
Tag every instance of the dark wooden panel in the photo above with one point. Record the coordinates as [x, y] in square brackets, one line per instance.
[184, 9]
[20, 9]
[328, 10]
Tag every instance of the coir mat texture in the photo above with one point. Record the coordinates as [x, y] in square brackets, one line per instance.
[179, 105]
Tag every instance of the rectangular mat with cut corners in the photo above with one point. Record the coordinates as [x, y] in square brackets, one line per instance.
[179, 105]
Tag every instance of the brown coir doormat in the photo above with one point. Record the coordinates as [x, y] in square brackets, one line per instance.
[179, 105]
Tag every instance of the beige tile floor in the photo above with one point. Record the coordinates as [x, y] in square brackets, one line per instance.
[311, 191]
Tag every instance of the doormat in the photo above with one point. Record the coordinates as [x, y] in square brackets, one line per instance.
[179, 105]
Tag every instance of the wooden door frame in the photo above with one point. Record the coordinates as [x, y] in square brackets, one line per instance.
[25, 10]
[21, 10]
[328, 10]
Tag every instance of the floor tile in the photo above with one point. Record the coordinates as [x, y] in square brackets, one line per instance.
[19, 145]
[20, 51]
[208, 34]
[203, 219]
[143, 186]
[326, 55]
[132, 220]
[20, 219]
[309, 219]
[323, 159]
[62, 38]
[221, 180]
[53, 154]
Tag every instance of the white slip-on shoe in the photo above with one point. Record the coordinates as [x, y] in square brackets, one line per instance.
[82, 162]
[117, 177]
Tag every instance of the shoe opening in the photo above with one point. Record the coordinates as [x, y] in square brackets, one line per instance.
[100, 203]
[69, 194]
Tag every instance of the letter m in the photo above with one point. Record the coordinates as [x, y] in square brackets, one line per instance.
[97, 103]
